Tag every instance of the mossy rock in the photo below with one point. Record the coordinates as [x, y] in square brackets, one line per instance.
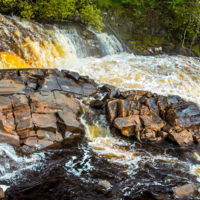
[196, 49]
[127, 36]
[147, 40]
[158, 40]
[138, 37]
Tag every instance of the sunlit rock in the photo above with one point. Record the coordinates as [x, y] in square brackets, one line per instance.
[184, 190]
[183, 138]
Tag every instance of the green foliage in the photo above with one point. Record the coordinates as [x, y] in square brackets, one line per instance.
[79, 10]
[176, 16]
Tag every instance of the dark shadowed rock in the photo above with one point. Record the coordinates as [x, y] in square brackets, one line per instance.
[68, 122]
[108, 88]
[71, 86]
[183, 138]
[185, 114]
[111, 110]
[151, 103]
[50, 84]
[129, 92]
[162, 102]
[123, 108]
[152, 121]
[133, 97]
[111, 94]
[73, 75]
[31, 77]
[162, 134]
[147, 135]
[184, 190]
[97, 104]
[149, 94]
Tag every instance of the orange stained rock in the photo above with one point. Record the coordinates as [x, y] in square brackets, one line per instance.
[197, 170]
[11, 60]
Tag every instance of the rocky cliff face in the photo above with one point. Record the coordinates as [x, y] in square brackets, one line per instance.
[40, 108]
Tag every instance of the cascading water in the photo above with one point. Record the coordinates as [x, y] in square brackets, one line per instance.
[131, 166]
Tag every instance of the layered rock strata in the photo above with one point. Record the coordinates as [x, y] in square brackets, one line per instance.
[38, 107]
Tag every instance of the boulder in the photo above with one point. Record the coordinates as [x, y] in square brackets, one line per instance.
[184, 190]
[68, 122]
[111, 110]
[2, 195]
[104, 184]
[72, 75]
[128, 125]
[46, 122]
[183, 138]
[152, 121]
[184, 114]
[9, 138]
[102, 187]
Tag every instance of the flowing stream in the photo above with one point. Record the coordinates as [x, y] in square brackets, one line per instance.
[131, 168]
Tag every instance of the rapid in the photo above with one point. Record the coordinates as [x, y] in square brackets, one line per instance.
[132, 168]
